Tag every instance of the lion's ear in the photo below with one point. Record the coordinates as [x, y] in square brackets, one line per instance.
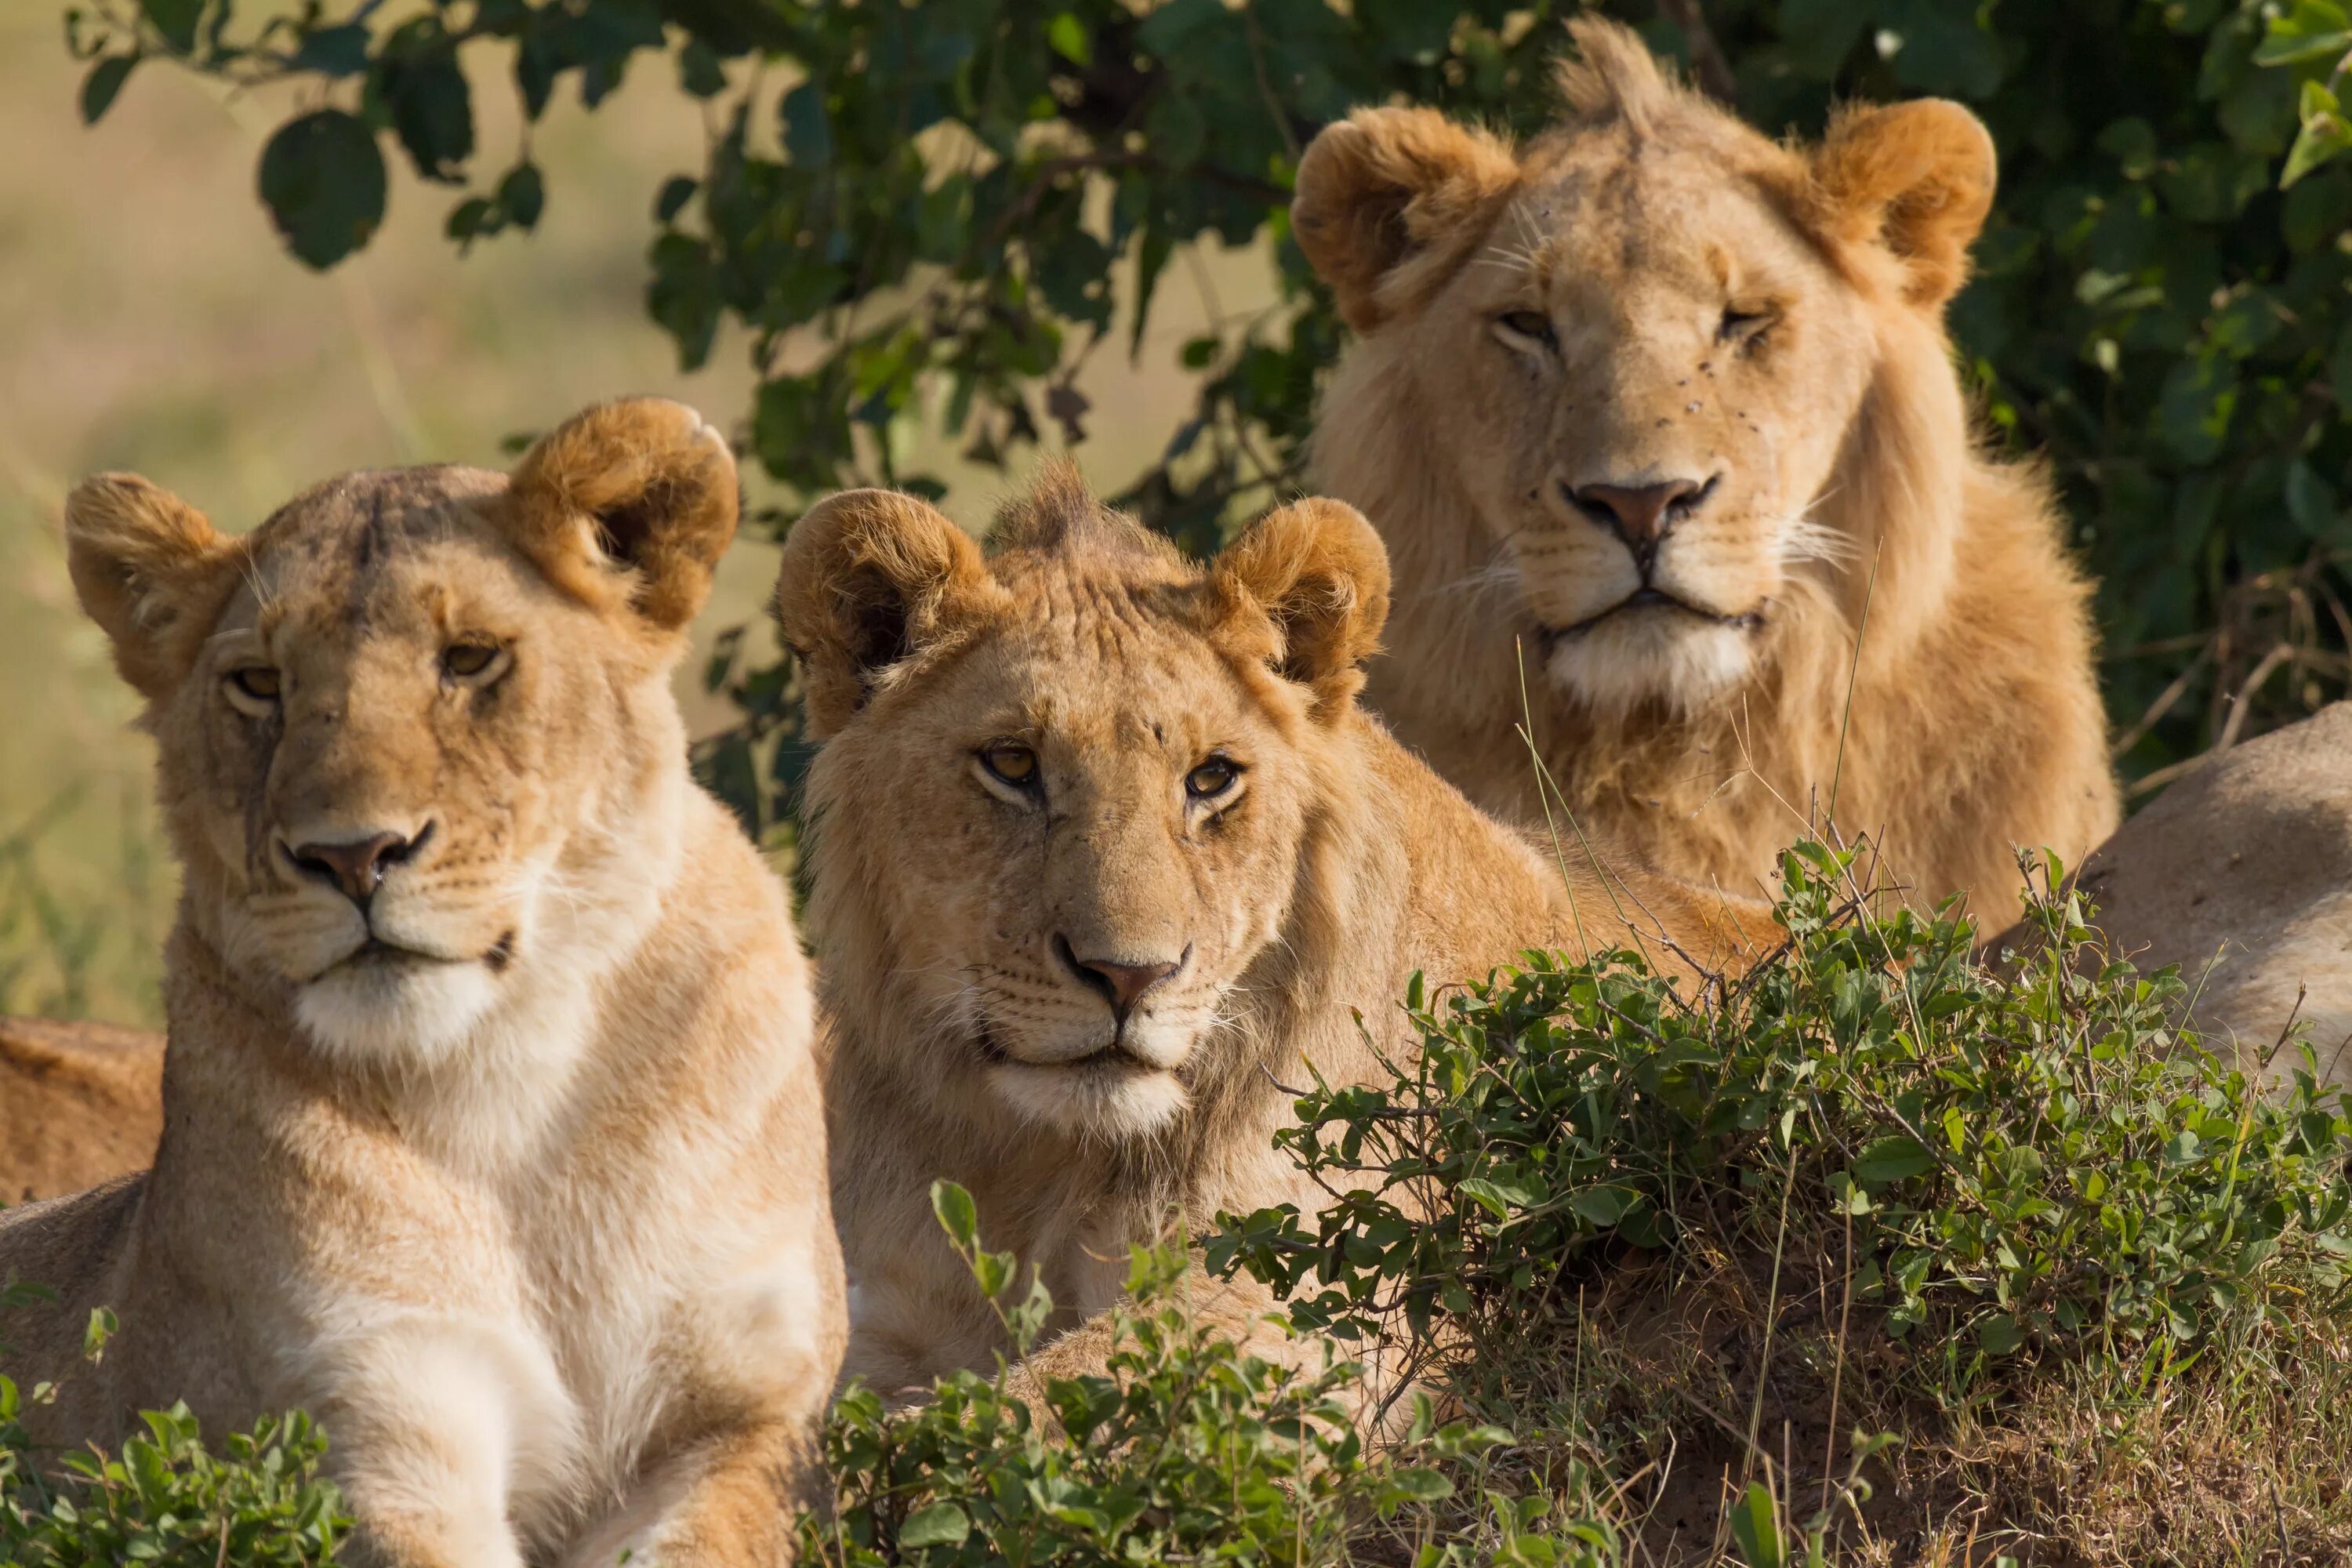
[1918, 178]
[1316, 569]
[1389, 202]
[150, 571]
[869, 577]
[629, 503]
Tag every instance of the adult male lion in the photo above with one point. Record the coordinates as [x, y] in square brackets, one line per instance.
[1658, 419]
[491, 1123]
[1103, 846]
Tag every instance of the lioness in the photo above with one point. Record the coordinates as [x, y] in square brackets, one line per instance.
[492, 1132]
[1102, 846]
[1659, 419]
[79, 1104]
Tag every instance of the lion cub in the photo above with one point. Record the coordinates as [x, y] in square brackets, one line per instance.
[1103, 847]
[492, 1134]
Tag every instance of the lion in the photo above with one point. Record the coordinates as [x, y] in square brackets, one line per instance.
[1662, 427]
[1102, 850]
[493, 1134]
[79, 1104]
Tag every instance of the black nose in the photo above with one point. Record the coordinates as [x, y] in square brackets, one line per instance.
[1641, 514]
[358, 868]
[1121, 981]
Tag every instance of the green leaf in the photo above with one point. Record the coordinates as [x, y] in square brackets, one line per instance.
[176, 20]
[940, 1524]
[1756, 1526]
[1895, 1158]
[1485, 1194]
[323, 182]
[99, 88]
[522, 195]
[958, 1216]
[1069, 39]
[431, 113]
[1604, 1205]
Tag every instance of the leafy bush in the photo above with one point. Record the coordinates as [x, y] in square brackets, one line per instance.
[168, 1500]
[1188, 1451]
[949, 208]
[2035, 1160]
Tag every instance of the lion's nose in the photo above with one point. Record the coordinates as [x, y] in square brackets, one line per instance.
[1121, 981]
[1641, 514]
[358, 867]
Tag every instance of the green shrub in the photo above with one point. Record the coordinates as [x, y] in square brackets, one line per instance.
[2036, 1159]
[166, 1500]
[1189, 1450]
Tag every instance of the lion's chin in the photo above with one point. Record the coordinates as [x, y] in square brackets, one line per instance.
[409, 1011]
[1110, 1096]
[1658, 656]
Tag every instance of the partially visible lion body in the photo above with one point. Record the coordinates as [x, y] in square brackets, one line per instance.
[1658, 420]
[1294, 911]
[505, 1160]
[79, 1104]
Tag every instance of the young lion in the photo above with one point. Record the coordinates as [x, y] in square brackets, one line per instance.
[1660, 421]
[492, 1134]
[1102, 846]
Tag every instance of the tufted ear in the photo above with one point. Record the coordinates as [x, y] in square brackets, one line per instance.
[1390, 200]
[629, 504]
[150, 571]
[1917, 178]
[869, 577]
[1318, 570]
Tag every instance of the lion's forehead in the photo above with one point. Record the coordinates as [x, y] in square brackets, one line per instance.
[397, 552]
[1599, 218]
[1116, 676]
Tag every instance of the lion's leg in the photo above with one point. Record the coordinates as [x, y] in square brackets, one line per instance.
[434, 1423]
[732, 1501]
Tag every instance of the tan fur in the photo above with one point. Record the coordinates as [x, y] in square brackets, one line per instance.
[512, 1174]
[1707, 730]
[949, 908]
[79, 1104]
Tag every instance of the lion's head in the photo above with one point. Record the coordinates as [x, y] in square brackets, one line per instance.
[1655, 356]
[410, 726]
[1066, 786]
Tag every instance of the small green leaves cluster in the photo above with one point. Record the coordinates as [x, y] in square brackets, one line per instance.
[2037, 1158]
[167, 1500]
[1187, 1449]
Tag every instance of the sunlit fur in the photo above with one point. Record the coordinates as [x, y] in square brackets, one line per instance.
[513, 1176]
[1761, 319]
[962, 1043]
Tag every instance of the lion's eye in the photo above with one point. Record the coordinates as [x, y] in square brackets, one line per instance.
[1212, 778]
[1013, 764]
[257, 683]
[1743, 324]
[470, 660]
[1532, 324]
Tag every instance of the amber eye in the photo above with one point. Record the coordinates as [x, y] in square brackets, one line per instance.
[1212, 778]
[257, 683]
[470, 660]
[1532, 324]
[1014, 765]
